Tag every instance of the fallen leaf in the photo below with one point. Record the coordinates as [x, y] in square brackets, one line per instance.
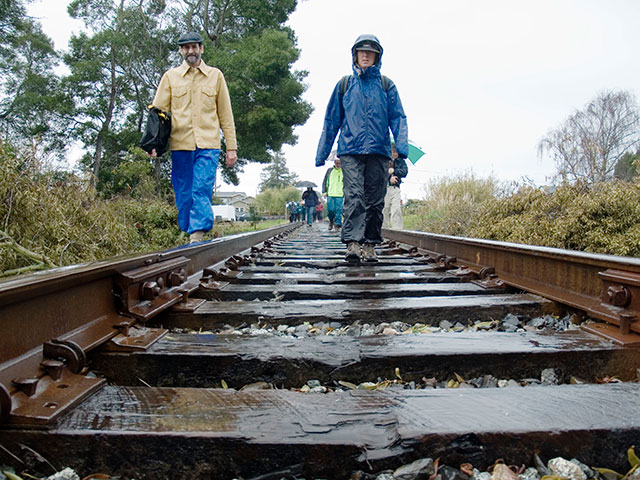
[436, 465]
[11, 476]
[634, 461]
[607, 471]
[608, 379]
[467, 468]
[347, 384]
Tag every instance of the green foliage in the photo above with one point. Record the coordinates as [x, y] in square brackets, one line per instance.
[131, 177]
[627, 167]
[114, 69]
[32, 103]
[451, 203]
[265, 93]
[254, 215]
[223, 20]
[602, 219]
[59, 217]
[272, 201]
[52, 219]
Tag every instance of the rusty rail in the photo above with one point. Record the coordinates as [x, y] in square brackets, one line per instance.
[51, 320]
[606, 287]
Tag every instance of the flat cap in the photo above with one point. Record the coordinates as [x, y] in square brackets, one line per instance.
[189, 37]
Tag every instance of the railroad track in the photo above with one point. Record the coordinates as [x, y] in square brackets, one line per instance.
[266, 356]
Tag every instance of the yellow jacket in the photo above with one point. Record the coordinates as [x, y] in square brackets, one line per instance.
[199, 102]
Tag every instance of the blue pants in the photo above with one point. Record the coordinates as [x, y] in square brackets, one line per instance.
[310, 211]
[334, 209]
[193, 174]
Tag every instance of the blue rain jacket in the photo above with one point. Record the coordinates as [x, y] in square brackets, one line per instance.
[364, 117]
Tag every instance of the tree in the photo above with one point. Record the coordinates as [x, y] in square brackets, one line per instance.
[114, 70]
[32, 104]
[276, 174]
[273, 201]
[588, 145]
[626, 167]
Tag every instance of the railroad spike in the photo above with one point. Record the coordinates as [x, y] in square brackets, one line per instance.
[123, 328]
[626, 319]
[28, 386]
[53, 368]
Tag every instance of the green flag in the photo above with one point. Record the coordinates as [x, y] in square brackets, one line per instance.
[414, 153]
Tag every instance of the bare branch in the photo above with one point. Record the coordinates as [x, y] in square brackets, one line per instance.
[588, 145]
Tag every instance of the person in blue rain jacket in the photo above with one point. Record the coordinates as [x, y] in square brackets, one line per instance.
[364, 107]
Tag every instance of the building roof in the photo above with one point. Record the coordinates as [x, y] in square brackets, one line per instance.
[222, 195]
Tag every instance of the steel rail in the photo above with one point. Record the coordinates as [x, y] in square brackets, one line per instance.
[51, 319]
[606, 287]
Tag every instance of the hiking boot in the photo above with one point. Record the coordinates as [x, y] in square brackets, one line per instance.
[196, 236]
[369, 253]
[353, 252]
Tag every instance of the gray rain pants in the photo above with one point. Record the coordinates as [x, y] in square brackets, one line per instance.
[365, 185]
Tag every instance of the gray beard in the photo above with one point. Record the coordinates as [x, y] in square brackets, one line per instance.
[192, 60]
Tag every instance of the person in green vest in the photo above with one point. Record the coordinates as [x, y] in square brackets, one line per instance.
[332, 188]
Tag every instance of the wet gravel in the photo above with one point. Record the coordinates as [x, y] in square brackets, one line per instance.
[557, 468]
[510, 323]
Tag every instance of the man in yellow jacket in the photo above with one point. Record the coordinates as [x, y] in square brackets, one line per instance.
[198, 99]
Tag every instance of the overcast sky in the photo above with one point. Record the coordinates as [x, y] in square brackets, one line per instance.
[481, 81]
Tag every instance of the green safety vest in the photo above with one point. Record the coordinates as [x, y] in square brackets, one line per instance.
[334, 187]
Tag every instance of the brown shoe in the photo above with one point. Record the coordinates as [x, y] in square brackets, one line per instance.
[369, 253]
[353, 252]
[196, 236]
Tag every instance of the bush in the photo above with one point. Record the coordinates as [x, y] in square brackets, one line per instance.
[604, 218]
[49, 218]
[273, 201]
[451, 204]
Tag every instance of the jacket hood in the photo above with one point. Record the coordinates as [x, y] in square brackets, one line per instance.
[370, 40]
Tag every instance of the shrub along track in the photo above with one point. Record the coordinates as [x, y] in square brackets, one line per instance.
[91, 379]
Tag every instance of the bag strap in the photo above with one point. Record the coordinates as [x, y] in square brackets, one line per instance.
[344, 81]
